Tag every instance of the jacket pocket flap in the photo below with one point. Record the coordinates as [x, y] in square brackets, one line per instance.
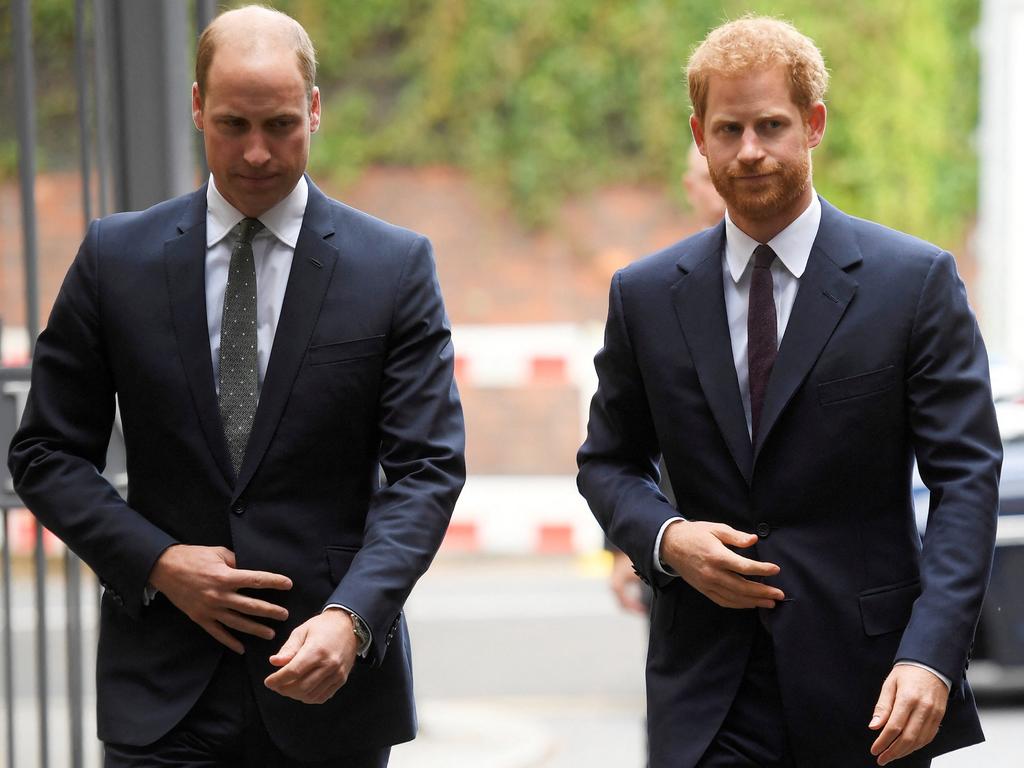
[856, 386]
[339, 560]
[341, 351]
[887, 609]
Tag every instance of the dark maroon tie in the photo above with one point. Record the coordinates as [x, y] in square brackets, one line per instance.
[762, 332]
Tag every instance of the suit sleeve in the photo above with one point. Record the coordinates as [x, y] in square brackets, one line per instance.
[618, 462]
[59, 451]
[421, 453]
[959, 455]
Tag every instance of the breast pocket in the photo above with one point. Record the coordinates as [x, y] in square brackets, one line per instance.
[861, 385]
[347, 351]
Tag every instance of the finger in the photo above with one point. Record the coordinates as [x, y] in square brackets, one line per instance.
[627, 598]
[222, 636]
[227, 556]
[240, 578]
[892, 729]
[732, 537]
[747, 589]
[240, 623]
[729, 600]
[905, 743]
[254, 607]
[327, 689]
[883, 706]
[747, 567]
[291, 646]
[293, 678]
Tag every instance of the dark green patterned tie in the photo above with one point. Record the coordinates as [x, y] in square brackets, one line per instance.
[238, 352]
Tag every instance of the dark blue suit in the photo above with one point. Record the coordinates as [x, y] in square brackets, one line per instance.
[881, 361]
[360, 376]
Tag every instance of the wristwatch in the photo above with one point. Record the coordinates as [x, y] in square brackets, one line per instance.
[361, 631]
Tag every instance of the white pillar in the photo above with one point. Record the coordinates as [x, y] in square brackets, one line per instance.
[1001, 191]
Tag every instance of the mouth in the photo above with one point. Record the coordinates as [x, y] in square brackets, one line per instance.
[256, 180]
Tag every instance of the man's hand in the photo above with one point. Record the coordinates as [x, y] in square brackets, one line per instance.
[203, 583]
[317, 658]
[626, 584]
[909, 710]
[697, 551]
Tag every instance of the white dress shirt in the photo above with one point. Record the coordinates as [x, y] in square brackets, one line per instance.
[272, 251]
[792, 248]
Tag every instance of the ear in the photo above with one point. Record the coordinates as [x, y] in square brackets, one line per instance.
[814, 124]
[697, 129]
[314, 110]
[197, 107]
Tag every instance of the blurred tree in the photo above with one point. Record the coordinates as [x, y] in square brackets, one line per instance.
[541, 100]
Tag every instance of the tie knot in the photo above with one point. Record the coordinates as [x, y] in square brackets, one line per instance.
[763, 256]
[246, 230]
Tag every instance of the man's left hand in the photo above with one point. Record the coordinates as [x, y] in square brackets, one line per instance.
[908, 712]
[316, 659]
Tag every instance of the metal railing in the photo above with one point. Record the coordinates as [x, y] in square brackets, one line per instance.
[129, 58]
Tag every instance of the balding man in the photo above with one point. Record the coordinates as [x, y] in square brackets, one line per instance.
[270, 350]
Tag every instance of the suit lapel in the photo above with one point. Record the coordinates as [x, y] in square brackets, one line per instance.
[185, 265]
[699, 300]
[312, 267]
[825, 292]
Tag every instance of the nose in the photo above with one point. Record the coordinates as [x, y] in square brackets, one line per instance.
[256, 152]
[751, 150]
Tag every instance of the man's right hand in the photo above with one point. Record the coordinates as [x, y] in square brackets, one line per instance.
[698, 552]
[203, 583]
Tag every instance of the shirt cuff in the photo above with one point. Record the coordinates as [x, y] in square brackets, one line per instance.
[365, 647]
[148, 593]
[659, 566]
[942, 677]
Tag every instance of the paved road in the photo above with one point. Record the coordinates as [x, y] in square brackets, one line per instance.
[518, 664]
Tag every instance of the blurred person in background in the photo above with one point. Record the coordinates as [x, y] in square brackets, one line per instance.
[708, 209]
[269, 349]
[789, 364]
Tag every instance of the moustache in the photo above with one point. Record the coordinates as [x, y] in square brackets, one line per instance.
[764, 168]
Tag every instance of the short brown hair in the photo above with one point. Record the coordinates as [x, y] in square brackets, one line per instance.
[303, 46]
[754, 43]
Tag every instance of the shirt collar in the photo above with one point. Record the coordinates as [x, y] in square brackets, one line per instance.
[283, 221]
[792, 245]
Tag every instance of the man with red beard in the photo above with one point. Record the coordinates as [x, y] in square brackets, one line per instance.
[789, 364]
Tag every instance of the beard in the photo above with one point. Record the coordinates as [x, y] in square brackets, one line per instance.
[766, 198]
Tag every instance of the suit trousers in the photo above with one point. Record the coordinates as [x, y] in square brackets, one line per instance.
[753, 734]
[225, 730]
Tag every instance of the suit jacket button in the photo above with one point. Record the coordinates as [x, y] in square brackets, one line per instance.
[238, 509]
[762, 530]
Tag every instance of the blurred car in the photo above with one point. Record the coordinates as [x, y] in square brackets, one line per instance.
[997, 662]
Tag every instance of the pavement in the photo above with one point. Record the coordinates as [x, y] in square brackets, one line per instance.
[519, 663]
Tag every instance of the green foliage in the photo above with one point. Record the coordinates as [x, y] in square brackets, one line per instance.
[546, 99]
[542, 99]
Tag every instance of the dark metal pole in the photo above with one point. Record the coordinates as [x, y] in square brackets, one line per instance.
[25, 107]
[101, 96]
[5, 557]
[85, 145]
[42, 668]
[72, 568]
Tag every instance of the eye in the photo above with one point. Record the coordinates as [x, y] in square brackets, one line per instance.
[282, 123]
[232, 123]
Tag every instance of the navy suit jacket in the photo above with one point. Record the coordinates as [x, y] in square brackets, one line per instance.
[360, 378]
[881, 361]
